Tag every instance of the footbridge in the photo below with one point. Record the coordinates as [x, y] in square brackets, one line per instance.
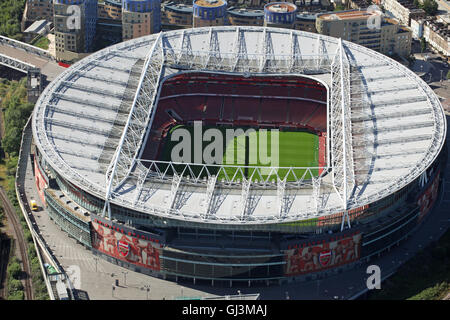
[38, 64]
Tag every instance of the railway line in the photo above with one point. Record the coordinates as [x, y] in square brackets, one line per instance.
[21, 243]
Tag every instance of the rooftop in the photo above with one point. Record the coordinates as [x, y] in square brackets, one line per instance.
[117, 3]
[245, 12]
[349, 15]
[281, 7]
[306, 16]
[398, 124]
[210, 3]
[443, 29]
[180, 7]
[38, 26]
[409, 4]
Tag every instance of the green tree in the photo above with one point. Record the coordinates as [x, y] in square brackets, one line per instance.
[339, 7]
[14, 270]
[423, 44]
[11, 12]
[17, 295]
[17, 112]
[430, 7]
[14, 285]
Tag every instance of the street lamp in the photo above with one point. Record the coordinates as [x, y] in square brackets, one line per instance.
[96, 261]
[147, 288]
[125, 277]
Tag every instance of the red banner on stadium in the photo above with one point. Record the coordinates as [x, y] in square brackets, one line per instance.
[41, 183]
[427, 199]
[140, 252]
[308, 257]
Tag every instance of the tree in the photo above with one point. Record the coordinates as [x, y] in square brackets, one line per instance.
[17, 295]
[430, 7]
[11, 141]
[339, 7]
[14, 285]
[14, 270]
[423, 44]
[16, 115]
[10, 16]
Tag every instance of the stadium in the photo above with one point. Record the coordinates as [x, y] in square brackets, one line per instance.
[360, 140]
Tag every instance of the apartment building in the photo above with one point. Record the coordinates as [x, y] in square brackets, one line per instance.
[37, 10]
[358, 26]
[245, 17]
[140, 18]
[176, 15]
[207, 13]
[437, 35]
[110, 9]
[75, 27]
[280, 15]
[306, 22]
[403, 10]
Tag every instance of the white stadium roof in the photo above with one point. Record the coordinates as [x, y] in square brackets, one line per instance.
[386, 126]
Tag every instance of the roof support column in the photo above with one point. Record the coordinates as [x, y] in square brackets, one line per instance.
[124, 158]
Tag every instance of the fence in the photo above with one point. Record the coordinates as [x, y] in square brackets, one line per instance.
[38, 241]
[26, 47]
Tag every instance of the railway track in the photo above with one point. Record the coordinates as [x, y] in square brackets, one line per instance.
[21, 242]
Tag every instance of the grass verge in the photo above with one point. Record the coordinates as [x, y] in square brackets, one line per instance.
[425, 277]
[16, 111]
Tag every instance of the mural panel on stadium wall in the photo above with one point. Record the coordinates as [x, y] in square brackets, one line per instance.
[324, 254]
[428, 197]
[41, 182]
[140, 252]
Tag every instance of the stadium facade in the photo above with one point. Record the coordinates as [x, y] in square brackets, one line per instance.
[98, 130]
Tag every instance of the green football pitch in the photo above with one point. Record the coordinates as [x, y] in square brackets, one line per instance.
[262, 149]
